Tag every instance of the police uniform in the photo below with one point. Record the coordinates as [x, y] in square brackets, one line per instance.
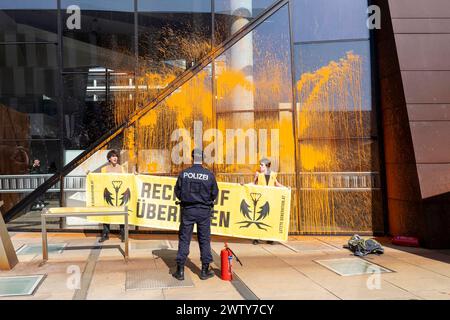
[197, 190]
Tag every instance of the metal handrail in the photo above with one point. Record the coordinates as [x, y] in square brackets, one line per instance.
[29, 182]
[329, 180]
[18, 209]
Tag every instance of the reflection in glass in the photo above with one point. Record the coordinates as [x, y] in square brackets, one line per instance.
[337, 154]
[254, 95]
[28, 69]
[17, 156]
[105, 37]
[231, 15]
[168, 133]
[94, 103]
[28, 91]
[28, 21]
[351, 59]
[28, 117]
[342, 211]
[173, 36]
[31, 217]
[321, 20]
[18, 176]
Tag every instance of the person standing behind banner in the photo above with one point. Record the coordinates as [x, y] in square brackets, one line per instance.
[113, 166]
[266, 177]
[197, 189]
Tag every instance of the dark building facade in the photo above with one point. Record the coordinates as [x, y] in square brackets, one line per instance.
[355, 120]
[414, 100]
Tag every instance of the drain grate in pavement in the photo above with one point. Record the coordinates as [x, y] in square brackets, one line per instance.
[19, 285]
[352, 266]
[150, 244]
[154, 279]
[303, 246]
[37, 248]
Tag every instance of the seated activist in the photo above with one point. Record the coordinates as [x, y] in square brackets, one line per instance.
[113, 166]
[266, 177]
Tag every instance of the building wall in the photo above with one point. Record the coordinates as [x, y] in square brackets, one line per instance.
[302, 79]
[414, 76]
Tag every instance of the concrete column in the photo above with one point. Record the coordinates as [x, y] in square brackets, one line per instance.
[242, 60]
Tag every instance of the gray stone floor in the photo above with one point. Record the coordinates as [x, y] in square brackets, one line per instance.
[279, 271]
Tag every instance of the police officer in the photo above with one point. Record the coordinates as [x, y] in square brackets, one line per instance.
[196, 188]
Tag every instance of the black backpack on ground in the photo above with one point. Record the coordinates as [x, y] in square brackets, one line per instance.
[361, 247]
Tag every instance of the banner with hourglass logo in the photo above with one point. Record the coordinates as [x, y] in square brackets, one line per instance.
[244, 211]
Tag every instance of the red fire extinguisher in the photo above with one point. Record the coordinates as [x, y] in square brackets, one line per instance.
[226, 256]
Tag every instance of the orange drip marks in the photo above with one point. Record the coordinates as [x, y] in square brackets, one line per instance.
[329, 116]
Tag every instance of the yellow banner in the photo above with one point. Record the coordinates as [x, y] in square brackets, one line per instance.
[105, 189]
[244, 211]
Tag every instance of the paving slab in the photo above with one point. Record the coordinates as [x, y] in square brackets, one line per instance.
[269, 271]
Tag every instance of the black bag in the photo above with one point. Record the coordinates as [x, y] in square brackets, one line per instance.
[361, 247]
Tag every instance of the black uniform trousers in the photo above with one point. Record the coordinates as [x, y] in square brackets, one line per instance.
[189, 217]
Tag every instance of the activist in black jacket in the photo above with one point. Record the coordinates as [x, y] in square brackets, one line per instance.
[197, 189]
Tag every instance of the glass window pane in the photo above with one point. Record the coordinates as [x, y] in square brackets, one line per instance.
[28, 69]
[339, 159]
[168, 133]
[340, 211]
[318, 20]
[105, 37]
[94, 103]
[28, 21]
[334, 90]
[231, 15]
[18, 176]
[17, 156]
[28, 91]
[30, 219]
[339, 155]
[28, 117]
[254, 101]
[173, 35]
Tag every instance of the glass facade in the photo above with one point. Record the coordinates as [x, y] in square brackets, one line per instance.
[294, 89]
[28, 21]
[337, 134]
[29, 95]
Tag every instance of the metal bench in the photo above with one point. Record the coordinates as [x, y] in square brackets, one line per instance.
[81, 212]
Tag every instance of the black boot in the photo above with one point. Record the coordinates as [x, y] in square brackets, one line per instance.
[180, 273]
[206, 272]
[104, 237]
[122, 233]
[105, 233]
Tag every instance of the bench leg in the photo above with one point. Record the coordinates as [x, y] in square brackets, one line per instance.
[44, 239]
[126, 237]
